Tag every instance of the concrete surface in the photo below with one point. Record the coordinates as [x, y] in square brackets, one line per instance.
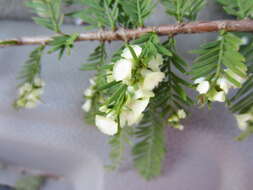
[54, 138]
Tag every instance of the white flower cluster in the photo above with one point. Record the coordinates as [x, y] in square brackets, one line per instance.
[174, 119]
[30, 94]
[221, 89]
[88, 93]
[138, 93]
[243, 120]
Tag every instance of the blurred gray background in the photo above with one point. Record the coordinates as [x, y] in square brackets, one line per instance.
[53, 137]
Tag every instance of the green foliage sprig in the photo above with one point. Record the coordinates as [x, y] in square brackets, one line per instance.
[49, 12]
[144, 85]
[183, 9]
[239, 8]
[32, 67]
[63, 43]
[137, 10]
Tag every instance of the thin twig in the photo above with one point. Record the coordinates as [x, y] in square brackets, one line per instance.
[123, 34]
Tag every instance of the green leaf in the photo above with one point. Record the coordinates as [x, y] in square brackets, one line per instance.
[149, 152]
[242, 101]
[99, 13]
[183, 9]
[49, 12]
[63, 43]
[240, 8]
[220, 57]
[30, 183]
[137, 10]
[32, 67]
[118, 145]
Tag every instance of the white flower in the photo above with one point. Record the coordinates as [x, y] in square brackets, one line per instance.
[103, 109]
[181, 114]
[122, 70]
[87, 105]
[38, 91]
[244, 40]
[155, 63]
[26, 87]
[89, 92]
[152, 79]
[242, 120]
[139, 106]
[179, 127]
[199, 80]
[39, 82]
[203, 87]
[219, 96]
[133, 112]
[127, 53]
[30, 104]
[224, 84]
[20, 103]
[92, 81]
[106, 125]
[173, 118]
[32, 97]
[140, 93]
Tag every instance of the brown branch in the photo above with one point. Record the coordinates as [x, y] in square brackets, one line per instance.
[127, 34]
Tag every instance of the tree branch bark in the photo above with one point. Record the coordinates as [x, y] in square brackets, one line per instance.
[128, 34]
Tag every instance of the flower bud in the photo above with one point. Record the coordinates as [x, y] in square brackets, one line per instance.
[127, 53]
[219, 96]
[203, 87]
[243, 119]
[87, 105]
[106, 125]
[181, 114]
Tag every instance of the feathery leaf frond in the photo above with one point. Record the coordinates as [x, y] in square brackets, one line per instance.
[49, 12]
[32, 67]
[239, 8]
[183, 9]
[217, 55]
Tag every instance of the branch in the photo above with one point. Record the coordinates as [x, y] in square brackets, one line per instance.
[127, 34]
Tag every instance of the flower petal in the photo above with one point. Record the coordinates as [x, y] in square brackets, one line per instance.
[122, 70]
[127, 53]
[152, 79]
[106, 125]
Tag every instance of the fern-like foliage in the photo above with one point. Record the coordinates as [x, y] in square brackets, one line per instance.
[170, 95]
[98, 13]
[137, 10]
[63, 43]
[242, 103]
[217, 55]
[173, 87]
[32, 67]
[183, 9]
[96, 62]
[149, 152]
[239, 8]
[118, 145]
[49, 12]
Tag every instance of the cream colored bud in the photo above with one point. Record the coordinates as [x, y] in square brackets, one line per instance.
[127, 53]
[106, 125]
[203, 87]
